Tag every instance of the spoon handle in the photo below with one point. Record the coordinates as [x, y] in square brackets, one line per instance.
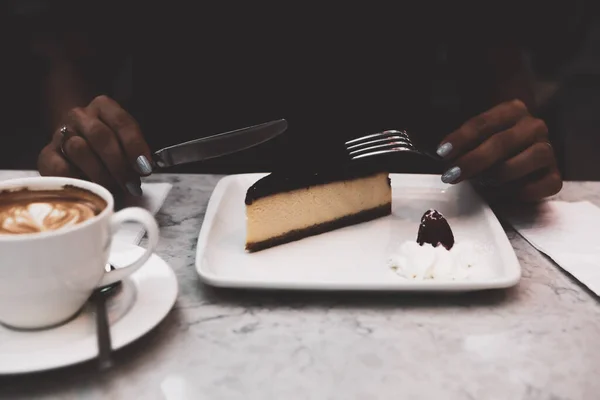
[103, 332]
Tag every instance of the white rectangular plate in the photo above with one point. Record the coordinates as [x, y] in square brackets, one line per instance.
[355, 257]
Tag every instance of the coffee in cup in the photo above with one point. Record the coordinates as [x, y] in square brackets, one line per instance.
[55, 239]
[25, 211]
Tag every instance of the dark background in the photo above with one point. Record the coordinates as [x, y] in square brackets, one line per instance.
[567, 87]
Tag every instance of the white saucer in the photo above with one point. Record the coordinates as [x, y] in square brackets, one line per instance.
[144, 300]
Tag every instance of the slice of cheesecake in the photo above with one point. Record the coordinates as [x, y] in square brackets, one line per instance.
[284, 207]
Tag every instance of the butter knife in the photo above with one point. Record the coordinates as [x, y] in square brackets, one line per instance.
[218, 145]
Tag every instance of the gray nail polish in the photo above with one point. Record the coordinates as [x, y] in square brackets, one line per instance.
[134, 188]
[144, 165]
[444, 149]
[451, 175]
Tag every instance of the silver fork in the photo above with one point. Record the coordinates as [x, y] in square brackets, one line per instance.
[385, 142]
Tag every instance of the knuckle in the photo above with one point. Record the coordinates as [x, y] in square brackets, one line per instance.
[46, 151]
[76, 113]
[96, 133]
[539, 127]
[518, 105]
[94, 127]
[470, 130]
[51, 164]
[42, 161]
[504, 142]
[101, 100]
[75, 147]
[556, 183]
[542, 153]
[123, 120]
[60, 168]
[539, 151]
[478, 122]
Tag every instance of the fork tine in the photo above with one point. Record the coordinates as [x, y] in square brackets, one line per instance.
[378, 135]
[389, 139]
[360, 139]
[396, 144]
[375, 153]
[396, 132]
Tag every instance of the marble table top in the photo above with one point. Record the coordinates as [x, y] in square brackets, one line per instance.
[538, 340]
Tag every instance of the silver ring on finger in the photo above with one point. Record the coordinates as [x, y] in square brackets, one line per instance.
[65, 135]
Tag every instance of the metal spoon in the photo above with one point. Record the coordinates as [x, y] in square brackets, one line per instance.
[99, 298]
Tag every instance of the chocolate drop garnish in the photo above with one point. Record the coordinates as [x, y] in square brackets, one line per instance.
[434, 229]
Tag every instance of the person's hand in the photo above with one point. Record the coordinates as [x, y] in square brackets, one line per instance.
[506, 150]
[101, 143]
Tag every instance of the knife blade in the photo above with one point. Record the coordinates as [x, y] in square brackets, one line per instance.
[219, 145]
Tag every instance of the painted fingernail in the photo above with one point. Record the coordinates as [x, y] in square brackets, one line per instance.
[451, 175]
[134, 188]
[444, 149]
[144, 165]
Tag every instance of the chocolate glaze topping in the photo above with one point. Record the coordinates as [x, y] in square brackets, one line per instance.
[288, 180]
[434, 229]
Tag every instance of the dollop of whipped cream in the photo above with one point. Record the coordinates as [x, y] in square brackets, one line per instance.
[43, 216]
[425, 262]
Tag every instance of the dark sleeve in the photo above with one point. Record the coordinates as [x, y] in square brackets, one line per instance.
[94, 35]
[557, 32]
[105, 23]
[27, 8]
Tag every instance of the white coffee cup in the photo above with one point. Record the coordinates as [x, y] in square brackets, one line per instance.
[46, 277]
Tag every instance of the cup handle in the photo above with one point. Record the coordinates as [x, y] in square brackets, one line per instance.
[143, 217]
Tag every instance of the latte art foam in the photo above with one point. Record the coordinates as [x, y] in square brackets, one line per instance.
[40, 217]
[29, 211]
